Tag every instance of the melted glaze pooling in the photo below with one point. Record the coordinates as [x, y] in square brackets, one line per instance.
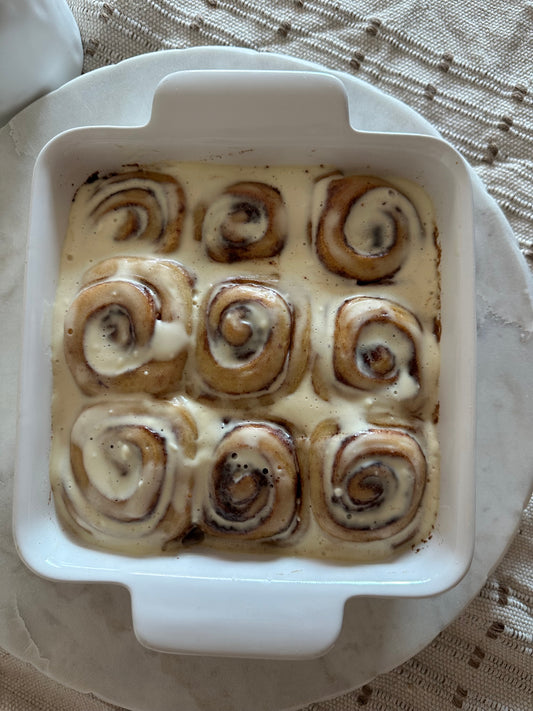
[246, 357]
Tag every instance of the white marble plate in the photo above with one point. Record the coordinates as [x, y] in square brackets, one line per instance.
[81, 634]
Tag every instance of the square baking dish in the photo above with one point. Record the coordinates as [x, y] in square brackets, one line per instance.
[207, 602]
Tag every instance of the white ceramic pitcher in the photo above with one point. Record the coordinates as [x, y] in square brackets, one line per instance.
[40, 49]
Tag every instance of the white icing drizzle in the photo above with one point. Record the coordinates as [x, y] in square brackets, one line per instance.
[220, 222]
[254, 321]
[298, 275]
[133, 492]
[110, 356]
[246, 461]
[160, 198]
[370, 226]
[168, 285]
[397, 485]
[130, 313]
[252, 487]
[401, 349]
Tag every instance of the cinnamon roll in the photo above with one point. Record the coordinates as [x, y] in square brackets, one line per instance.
[366, 486]
[246, 221]
[128, 328]
[365, 227]
[139, 204]
[129, 483]
[378, 347]
[254, 485]
[251, 340]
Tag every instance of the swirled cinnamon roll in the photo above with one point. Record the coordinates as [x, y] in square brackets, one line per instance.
[378, 347]
[366, 486]
[128, 485]
[365, 228]
[128, 328]
[254, 486]
[139, 204]
[246, 221]
[251, 340]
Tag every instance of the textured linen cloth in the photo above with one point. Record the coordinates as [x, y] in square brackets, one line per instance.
[468, 69]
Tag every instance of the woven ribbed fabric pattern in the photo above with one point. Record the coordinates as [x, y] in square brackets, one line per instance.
[467, 67]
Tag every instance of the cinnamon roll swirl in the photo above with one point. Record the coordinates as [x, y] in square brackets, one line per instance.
[128, 328]
[366, 486]
[365, 228]
[129, 484]
[139, 204]
[246, 221]
[251, 340]
[378, 347]
[254, 486]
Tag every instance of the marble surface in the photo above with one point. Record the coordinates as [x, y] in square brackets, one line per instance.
[81, 634]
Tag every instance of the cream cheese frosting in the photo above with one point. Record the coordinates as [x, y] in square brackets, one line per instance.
[306, 393]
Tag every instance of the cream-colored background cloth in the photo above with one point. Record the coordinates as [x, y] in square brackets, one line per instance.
[468, 69]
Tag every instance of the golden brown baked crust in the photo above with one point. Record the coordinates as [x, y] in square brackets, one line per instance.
[129, 476]
[377, 343]
[374, 252]
[138, 204]
[251, 340]
[288, 406]
[125, 298]
[254, 484]
[366, 486]
[246, 221]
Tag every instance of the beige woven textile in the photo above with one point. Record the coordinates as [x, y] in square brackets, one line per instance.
[468, 68]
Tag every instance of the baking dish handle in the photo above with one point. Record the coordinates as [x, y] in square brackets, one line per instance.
[186, 101]
[263, 619]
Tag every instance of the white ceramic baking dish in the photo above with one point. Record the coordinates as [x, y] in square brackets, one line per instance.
[208, 603]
